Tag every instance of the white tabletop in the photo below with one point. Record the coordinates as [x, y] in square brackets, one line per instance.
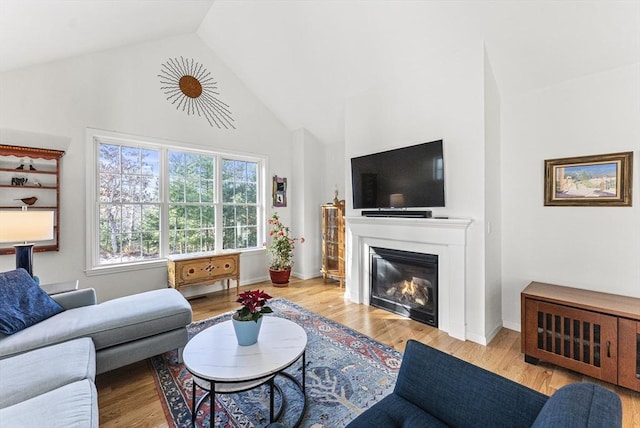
[214, 353]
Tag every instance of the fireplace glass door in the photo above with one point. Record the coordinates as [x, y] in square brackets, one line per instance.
[405, 283]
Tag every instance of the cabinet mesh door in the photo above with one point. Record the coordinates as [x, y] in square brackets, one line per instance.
[580, 340]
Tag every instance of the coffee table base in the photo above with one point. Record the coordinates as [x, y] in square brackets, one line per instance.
[230, 388]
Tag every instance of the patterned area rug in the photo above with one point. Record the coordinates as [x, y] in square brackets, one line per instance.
[346, 372]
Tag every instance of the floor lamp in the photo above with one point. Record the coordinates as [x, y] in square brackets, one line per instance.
[23, 228]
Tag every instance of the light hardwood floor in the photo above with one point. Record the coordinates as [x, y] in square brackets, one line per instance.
[127, 397]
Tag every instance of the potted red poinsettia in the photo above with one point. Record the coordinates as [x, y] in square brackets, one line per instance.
[248, 319]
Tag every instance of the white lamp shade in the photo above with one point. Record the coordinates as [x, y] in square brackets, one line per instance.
[25, 226]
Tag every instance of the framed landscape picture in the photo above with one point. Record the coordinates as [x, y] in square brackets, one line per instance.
[600, 180]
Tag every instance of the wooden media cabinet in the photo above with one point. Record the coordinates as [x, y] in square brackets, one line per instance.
[593, 333]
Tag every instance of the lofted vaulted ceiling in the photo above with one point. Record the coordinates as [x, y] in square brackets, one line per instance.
[305, 58]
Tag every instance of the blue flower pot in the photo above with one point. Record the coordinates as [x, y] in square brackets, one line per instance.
[247, 331]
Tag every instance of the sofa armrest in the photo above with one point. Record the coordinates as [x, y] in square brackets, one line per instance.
[581, 405]
[76, 298]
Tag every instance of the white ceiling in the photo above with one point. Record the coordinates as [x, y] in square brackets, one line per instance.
[39, 31]
[305, 58]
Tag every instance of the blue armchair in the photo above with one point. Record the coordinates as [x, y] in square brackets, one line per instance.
[435, 389]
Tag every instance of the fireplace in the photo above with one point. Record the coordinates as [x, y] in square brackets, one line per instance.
[405, 283]
[446, 238]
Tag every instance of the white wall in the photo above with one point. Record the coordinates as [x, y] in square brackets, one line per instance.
[595, 248]
[308, 176]
[434, 98]
[493, 205]
[119, 90]
[335, 169]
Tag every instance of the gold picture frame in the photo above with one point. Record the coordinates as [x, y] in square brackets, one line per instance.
[599, 180]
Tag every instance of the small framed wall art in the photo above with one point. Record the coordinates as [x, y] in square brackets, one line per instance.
[279, 191]
[599, 180]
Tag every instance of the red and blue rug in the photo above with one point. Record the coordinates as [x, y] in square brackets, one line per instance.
[346, 373]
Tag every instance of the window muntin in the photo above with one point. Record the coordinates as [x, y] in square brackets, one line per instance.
[153, 200]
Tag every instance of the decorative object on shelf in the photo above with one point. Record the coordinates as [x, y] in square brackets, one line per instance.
[281, 250]
[19, 181]
[248, 319]
[23, 226]
[191, 87]
[600, 180]
[28, 201]
[22, 165]
[279, 191]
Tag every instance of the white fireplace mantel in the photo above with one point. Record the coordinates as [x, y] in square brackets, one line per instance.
[446, 238]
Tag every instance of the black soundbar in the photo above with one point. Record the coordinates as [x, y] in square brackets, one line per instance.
[397, 213]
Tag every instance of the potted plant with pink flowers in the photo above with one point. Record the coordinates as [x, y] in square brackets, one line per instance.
[281, 251]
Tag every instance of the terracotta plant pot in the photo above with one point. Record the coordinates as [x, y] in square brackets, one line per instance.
[280, 278]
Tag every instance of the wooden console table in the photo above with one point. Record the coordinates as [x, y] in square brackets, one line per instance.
[593, 333]
[185, 270]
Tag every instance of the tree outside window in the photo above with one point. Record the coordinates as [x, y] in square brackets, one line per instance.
[129, 207]
[139, 186]
[239, 204]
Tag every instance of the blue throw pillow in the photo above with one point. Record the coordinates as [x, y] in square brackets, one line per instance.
[22, 302]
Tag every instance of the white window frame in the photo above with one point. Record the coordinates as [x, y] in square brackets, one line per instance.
[94, 137]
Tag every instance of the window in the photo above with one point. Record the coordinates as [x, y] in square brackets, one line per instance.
[129, 203]
[239, 210]
[191, 197]
[153, 200]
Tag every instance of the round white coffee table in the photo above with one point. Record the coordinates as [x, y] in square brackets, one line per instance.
[219, 365]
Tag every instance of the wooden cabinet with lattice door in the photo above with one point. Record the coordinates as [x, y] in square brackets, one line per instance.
[593, 333]
[333, 241]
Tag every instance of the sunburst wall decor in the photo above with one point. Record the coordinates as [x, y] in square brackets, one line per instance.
[189, 86]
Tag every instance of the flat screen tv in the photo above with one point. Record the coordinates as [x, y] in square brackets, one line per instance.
[407, 177]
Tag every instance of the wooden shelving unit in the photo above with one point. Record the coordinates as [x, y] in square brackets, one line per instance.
[593, 333]
[41, 170]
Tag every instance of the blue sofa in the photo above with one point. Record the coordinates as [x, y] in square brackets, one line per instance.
[435, 389]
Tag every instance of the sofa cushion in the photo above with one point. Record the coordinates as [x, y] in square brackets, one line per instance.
[74, 405]
[22, 302]
[395, 412]
[33, 373]
[580, 405]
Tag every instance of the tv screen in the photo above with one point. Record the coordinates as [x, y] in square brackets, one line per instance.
[408, 177]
